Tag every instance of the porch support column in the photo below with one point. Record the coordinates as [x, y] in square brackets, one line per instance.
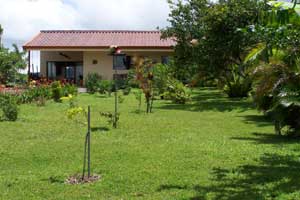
[29, 65]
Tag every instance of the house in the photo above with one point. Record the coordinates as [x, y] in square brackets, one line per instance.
[72, 54]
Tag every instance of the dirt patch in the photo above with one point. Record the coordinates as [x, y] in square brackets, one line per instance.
[77, 179]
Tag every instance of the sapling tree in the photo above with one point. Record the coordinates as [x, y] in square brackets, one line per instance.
[145, 78]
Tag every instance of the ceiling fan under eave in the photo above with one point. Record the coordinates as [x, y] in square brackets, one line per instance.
[64, 55]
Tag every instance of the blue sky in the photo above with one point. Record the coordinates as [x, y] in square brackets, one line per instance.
[22, 19]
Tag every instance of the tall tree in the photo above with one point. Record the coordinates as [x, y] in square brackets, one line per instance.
[10, 64]
[213, 36]
[1, 33]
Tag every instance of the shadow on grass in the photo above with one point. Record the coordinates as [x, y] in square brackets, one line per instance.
[269, 138]
[259, 120]
[102, 129]
[54, 179]
[273, 176]
[211, 99]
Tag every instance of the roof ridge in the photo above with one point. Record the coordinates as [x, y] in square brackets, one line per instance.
[100, 31]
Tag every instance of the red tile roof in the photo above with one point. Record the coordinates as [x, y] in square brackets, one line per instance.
[98, 39]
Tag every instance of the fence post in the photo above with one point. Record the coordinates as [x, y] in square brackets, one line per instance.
[89, 141]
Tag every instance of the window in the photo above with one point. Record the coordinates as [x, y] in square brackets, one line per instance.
[165, 60]
[121, 62]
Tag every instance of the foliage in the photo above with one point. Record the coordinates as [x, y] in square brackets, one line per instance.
[92, 82]
[57, 91]
[106, 87]
[36, 93]
[69, 89]
[126, 90]
[110, 117]
[139, 96]
[278, 95]
[10, 63]
[239, 85]
[177, 92]
[212, 37]
[9, 107]
[144, 76]
[78, 115]
[162, 75]
[277, 77]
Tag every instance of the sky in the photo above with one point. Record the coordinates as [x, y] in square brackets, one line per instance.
[23, 19]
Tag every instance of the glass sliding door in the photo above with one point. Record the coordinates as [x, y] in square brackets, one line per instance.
[71, 72]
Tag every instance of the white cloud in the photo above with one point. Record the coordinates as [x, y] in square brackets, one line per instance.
[22, 19]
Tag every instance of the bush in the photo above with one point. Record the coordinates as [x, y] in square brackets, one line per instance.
[177, 92]
[57, 91]
[239, 88]
[92, 82]
[69, 89]
[106, 87]
[278, 95]
[9, 107]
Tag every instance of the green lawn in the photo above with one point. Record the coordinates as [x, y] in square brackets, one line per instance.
[211, 148]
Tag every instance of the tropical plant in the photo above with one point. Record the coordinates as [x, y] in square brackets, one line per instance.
[92, 82]
[144, 76]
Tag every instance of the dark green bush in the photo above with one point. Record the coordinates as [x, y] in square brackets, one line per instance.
[92, 82]
[9, 107]
[239, 88]
[57, 91]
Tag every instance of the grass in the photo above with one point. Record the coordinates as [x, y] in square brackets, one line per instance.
[210, 148]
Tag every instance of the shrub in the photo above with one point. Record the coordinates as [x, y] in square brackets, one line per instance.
[9, 107]
[278, 95]
[106, 87]
[69, 89]
[57, 91]
[92, 82]
[177, 92]
[238, 88]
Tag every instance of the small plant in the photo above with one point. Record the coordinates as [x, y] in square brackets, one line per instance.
[71, 99]
[145, 78]
[110, 117]
[57, 91]
[92, 82]
[78, 115]
[9, 107]
[139, 96]
[121, 98]
[41, 101]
